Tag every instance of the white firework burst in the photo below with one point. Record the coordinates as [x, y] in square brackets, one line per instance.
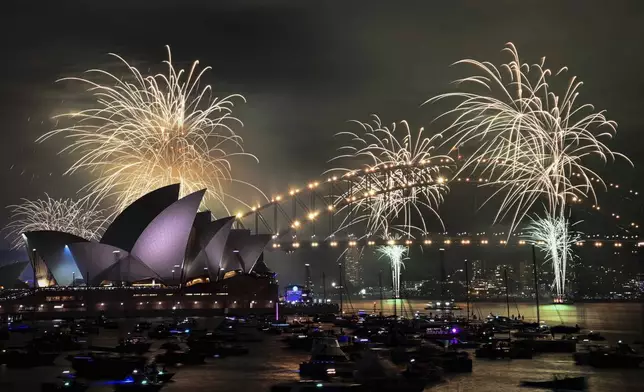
[145, 132]
[399, 181]
[555, 237]
[533, 143]
[396, 254]
[77, 217]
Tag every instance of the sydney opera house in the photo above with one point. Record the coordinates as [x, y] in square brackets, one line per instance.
[160, 253]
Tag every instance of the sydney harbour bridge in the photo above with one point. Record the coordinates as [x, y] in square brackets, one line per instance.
[319, 213]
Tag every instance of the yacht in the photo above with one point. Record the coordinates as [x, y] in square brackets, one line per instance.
[621, 356]
[442, 305]
[327, 360]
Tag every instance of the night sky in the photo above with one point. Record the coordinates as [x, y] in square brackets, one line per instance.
[305, 70]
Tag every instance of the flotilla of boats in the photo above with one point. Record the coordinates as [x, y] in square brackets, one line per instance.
[358, 352]
[125, 366]
[427, 347]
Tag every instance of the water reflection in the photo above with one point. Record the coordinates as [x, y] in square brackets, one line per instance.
[269, 362]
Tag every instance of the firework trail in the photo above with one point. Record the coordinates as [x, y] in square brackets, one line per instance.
[401, 178]
[396, 254]
[532, 143]
[77, 217]
[145, 132]
[555, 237]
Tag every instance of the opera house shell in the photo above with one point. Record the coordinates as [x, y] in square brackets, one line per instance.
[159, 239]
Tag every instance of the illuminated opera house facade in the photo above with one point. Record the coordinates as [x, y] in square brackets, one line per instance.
[160, 253]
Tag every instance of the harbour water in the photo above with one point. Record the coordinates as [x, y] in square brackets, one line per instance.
[269, 362]
[621, 320]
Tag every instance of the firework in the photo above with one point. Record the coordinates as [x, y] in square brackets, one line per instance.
[400, 178]
[396, 254]
[532, 143]
[145, 132]
[78, 217]
[555, 237]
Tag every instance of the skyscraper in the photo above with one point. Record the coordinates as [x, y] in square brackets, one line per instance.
[308, 281]
[526, 278]
[353, 268]
[477, 270]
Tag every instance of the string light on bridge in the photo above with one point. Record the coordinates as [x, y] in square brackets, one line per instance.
[448, 242]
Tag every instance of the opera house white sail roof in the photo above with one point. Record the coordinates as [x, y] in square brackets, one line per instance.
[159, 237]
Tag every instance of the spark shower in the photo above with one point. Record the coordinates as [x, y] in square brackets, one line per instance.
[145, 132]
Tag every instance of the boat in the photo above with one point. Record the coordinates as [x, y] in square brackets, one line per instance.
[327, 360]
[565, 329]
[130, 345]
[591, 337]
[532, 334]
[214, 348]
[444, 332]
[156, 373]
[504, 349]
[55, 341]
[304, 340]
[106, 323]
[99, 365]
[427, 371]
[454, 361]
[449, 361]
[375, 373]
[83, 328]
[324, 318]
[622, 356]
[456, 343]
[134, 345]
[21, 328]
[142, 326]
[565, 383]
[138, 382]
[564, 345]
[322, 386]
[562, 301]
[446, 305]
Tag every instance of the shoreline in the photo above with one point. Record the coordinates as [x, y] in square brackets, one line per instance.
[542, 301]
